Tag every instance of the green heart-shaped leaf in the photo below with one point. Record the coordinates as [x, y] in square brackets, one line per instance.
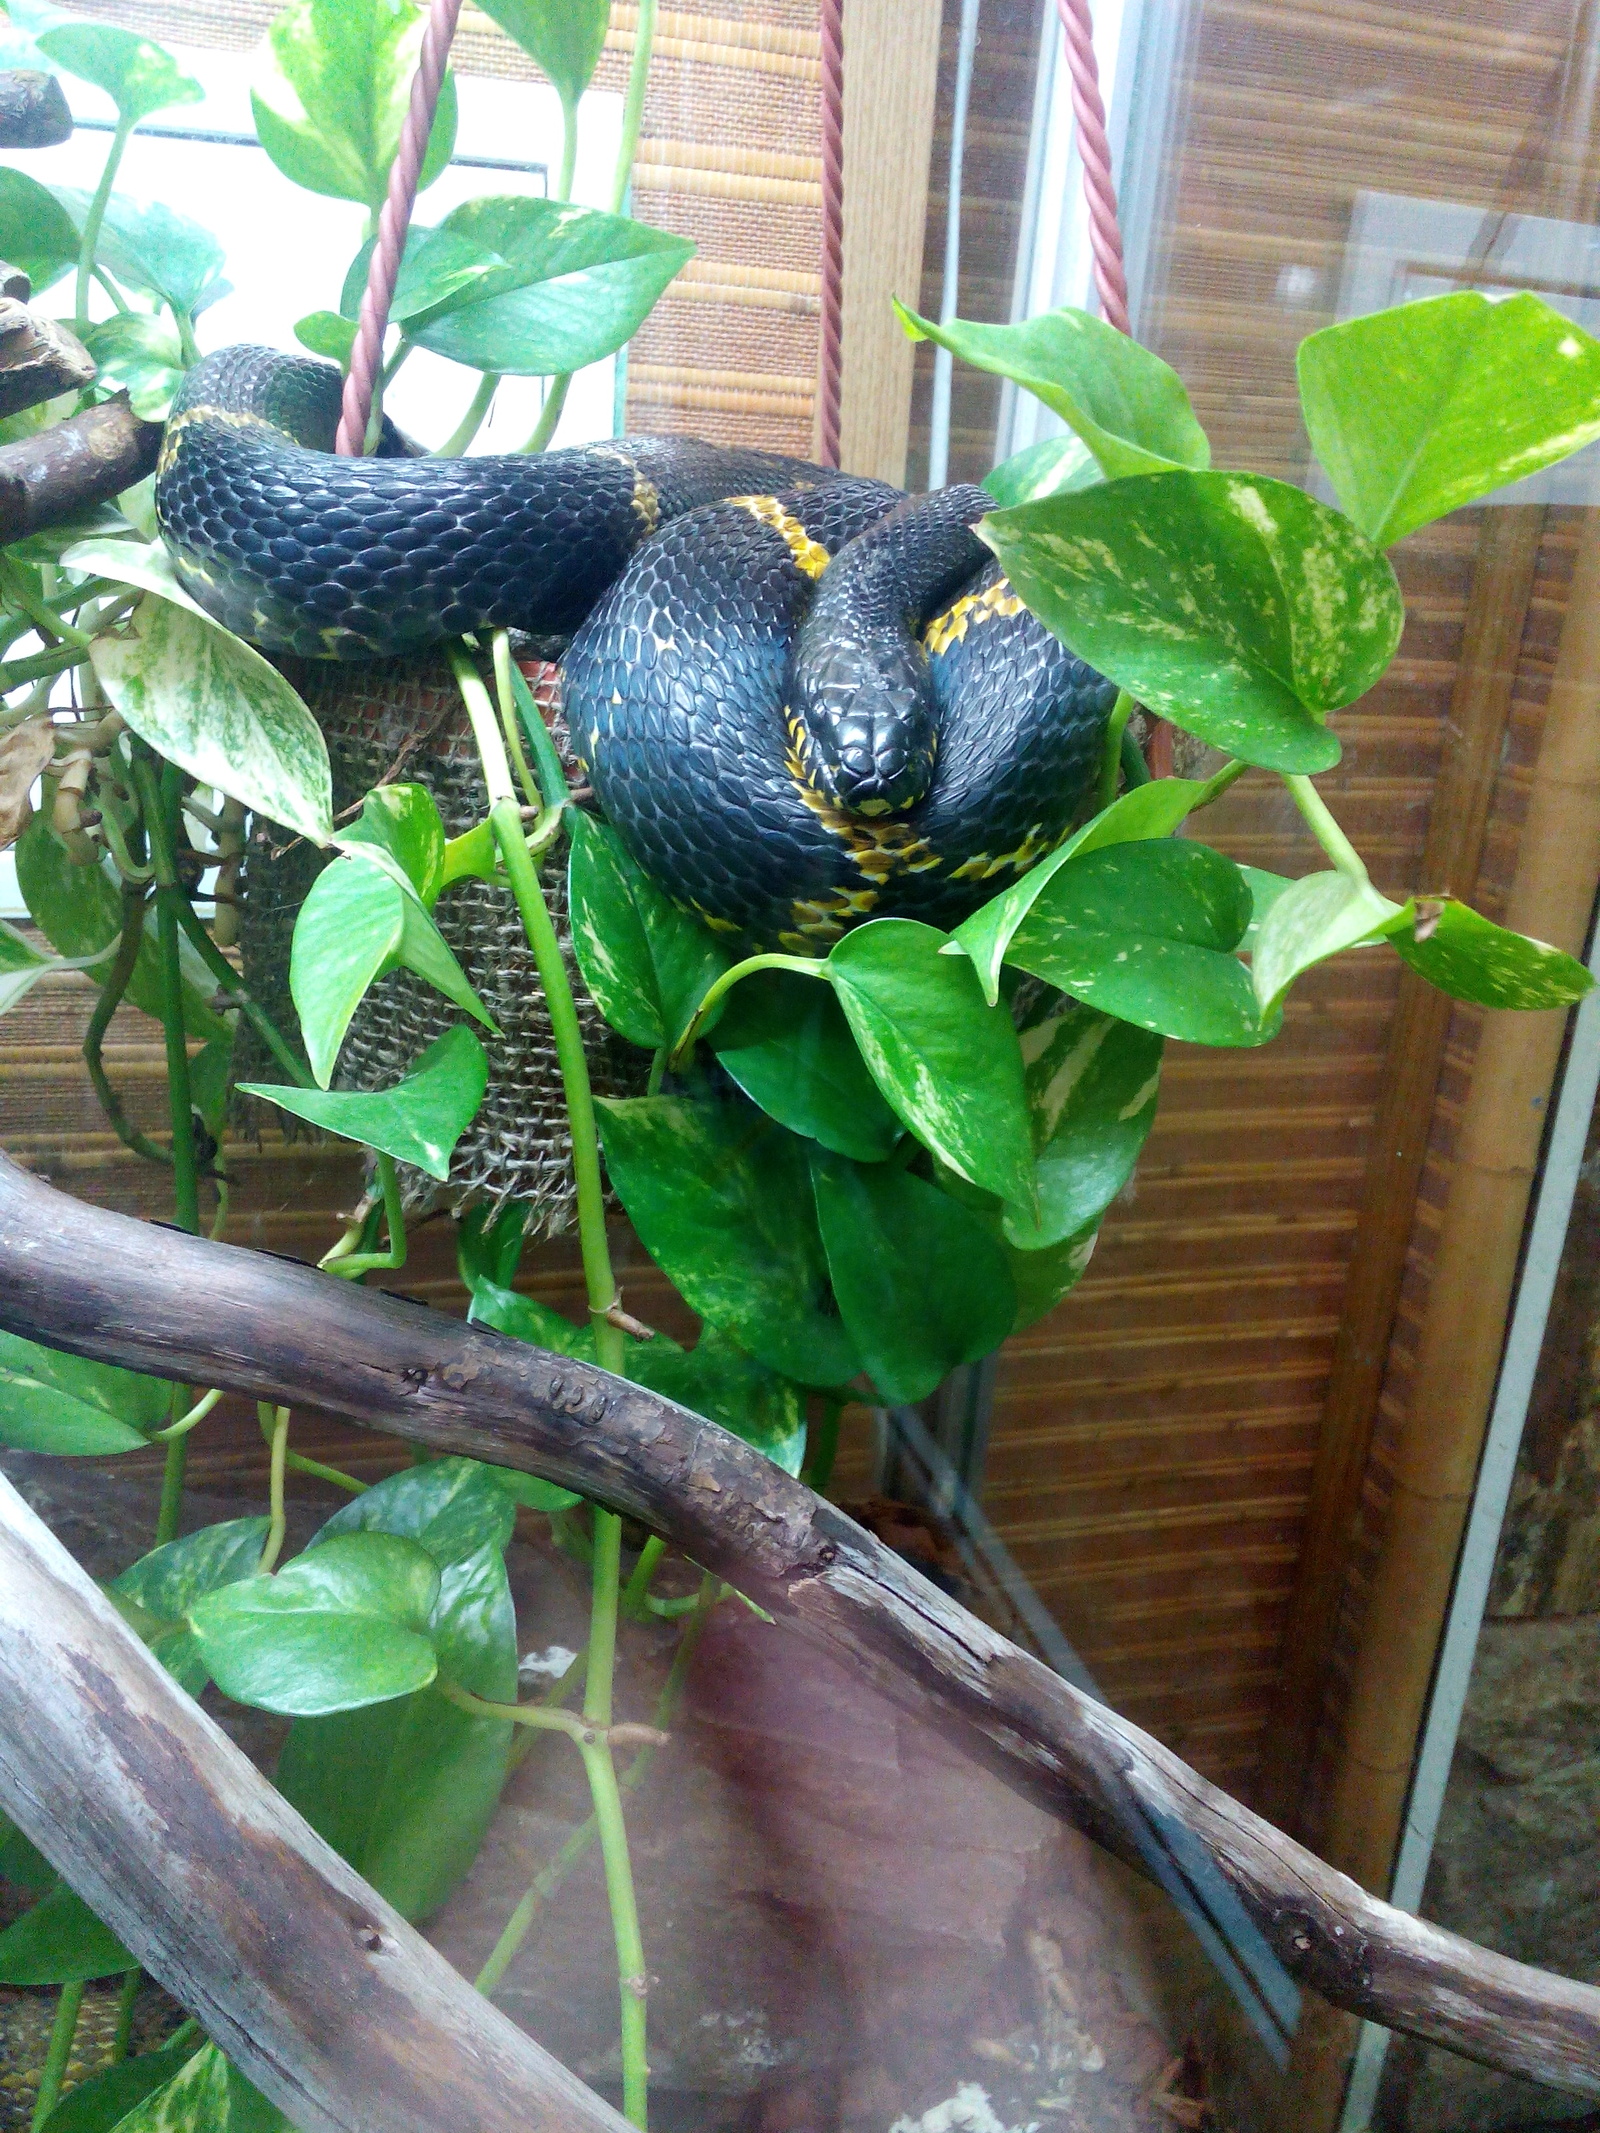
[151, 246]
[138, 355]
[451, 1506]
[327, 333]
[1237, 607]
[401, 823]
[563, 38]
[167, 1582]
[344, 1626]
[946, 1061]
[721, 1200]
[1471, 958]
[1092, 1086]
[418, 1121]
[355, 924]
[1152, 810]
[127, 1395]
[922, 1287]
[785, 1041]
[106, 2099]
[532, 287]
[330, 90]
[60, 1942]
[138, 76]
[1053, 467]
[1312, 919]
[1420, 409]
[646, 961]
[79, 911]
[37, 235]
[1128, 406]
[406, 1790]
[1145, 932]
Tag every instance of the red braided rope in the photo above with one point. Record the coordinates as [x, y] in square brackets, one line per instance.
[366, 357]
[830, 14]
[1094, 152]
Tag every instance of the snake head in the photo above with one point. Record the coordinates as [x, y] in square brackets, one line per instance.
[864, 709]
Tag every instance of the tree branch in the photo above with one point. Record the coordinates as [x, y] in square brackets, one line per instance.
[34, 112]
[336, 2008]
[85, 460]
[39, 358]
[104, 1285]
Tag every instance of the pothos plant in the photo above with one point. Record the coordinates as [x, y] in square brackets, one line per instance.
[859, 1170]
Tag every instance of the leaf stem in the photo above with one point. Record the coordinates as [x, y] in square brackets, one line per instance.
[127, 2002]
[275, 1424]
[39, 612]
[169, 893]
[13, 672]
[94, 218]
[112, 990]
[551, 1876]
[511, 685]
[350, 1265]
[506, 819]
[633, 1598]
[473, 420]
[1325, 829]
[62, 2032]
[806, 965]
[233, 984]
[569, 148]
[1111, 759]
[822, 1445]
[632, 1977]
[505, 697]
[554, 401]
[644, 38]
[190, 1420]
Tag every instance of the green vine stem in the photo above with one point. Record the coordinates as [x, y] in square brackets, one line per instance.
[13, 672]
[62, 2032]
[113, 987]
[822, 1443]
[275, 1426]
[1325, 829]
[18, 592]
[350, 1264]
[239, 993]
[600, 1285]
[1111, 759]
[517, 706]
[632, 1602]
[719, 988]
[186, 1422]
[94, 218]
[127, 2002]
[622, 178]
[298, 1464]
[474, 418]
[159, 800]
[644, 42]
[550, 1877]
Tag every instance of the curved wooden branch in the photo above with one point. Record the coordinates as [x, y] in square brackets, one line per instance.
[104, 1285]
[87, 459]
[323, 1995]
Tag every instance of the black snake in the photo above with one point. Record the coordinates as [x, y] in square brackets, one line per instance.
[803, 699]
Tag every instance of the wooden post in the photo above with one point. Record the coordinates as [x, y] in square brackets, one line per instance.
[332, 2005]
[1480, 707]
[891, 74]
[104, 1285]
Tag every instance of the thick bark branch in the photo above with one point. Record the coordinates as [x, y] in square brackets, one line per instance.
[39, 358]
[322, 1994]
[85, 460]
[106, 1286]
[33, 110]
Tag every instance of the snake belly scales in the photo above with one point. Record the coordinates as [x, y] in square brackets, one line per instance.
[802, 699]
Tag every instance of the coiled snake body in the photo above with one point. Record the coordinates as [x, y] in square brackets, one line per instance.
[803, 699]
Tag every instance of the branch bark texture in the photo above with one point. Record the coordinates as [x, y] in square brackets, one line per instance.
[85, 460]
[104, 1285]
[324, 1996]
[39, 357]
